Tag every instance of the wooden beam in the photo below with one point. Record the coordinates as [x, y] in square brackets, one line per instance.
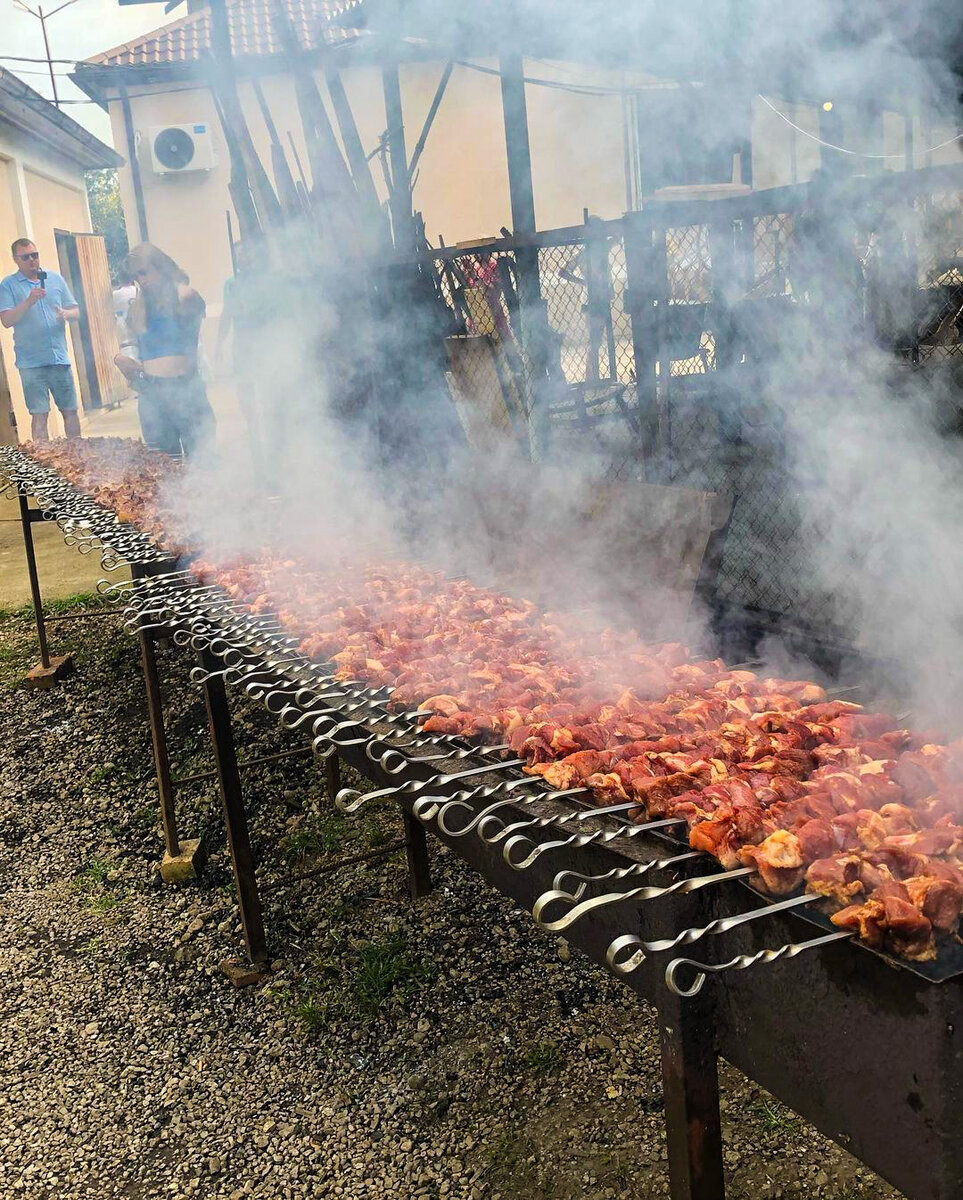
[430, 118]
[401, 219]
[517, 144]
[134, 164]
[351, 140]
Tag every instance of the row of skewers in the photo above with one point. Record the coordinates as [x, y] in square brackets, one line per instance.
[772, 777]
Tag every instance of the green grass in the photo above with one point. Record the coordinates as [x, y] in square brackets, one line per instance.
[93, 876]
[773, 1116]
[546, 1056]
[364, 982]
[100, 774]
[375, 833]
[145, 815]
[97, 892]
[311, 839]
[384, 968]
[505, 1149]
[66, 604]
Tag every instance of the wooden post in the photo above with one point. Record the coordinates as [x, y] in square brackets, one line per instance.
[534, 323]
[403, 225]
[8, 422]
[134, 162]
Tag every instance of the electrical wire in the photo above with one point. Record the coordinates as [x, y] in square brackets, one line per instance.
[854, 153]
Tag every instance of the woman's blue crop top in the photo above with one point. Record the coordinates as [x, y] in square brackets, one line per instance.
[167, 334]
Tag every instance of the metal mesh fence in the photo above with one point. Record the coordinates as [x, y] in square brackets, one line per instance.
[563, 277]
[713, 429]
[940, 276]
[771, 240]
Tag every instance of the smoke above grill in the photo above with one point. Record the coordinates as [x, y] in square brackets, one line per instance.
[361, 447]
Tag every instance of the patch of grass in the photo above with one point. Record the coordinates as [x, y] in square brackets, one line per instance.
[384, 969]
[359, 986]
[145, 815]
[65, 604]
[100, 774]
[97, 892]
[773, 1116]
[375, 833]
[545, 1056]
[311, 839]
[93, 876]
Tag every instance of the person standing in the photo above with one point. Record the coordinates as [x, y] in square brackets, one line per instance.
[165, 318]
[36, 305]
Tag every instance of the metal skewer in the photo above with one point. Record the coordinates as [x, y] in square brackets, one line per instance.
[643, 894]
[637, 949]
[742, 962]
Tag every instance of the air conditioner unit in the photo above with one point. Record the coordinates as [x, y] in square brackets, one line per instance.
[175, 149]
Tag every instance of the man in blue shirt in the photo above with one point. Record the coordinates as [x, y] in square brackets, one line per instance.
[37, 309]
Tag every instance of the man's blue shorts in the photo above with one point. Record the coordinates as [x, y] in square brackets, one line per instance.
[40, 383]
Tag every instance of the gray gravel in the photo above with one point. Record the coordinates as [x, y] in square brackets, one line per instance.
[445, 1049]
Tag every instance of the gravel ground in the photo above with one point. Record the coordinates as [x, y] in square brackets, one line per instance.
[444, 1049]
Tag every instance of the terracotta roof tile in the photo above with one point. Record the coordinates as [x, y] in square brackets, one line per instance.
[184, 41]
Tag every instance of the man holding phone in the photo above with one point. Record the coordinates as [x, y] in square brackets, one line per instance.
[36, 305]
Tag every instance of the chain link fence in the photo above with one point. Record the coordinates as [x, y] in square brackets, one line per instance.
[657, 334]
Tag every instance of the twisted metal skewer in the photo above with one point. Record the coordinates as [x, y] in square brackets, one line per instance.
[627, 953]
[600, 837]
[742, 962]
[349, 800]
[585, 907]
[559, 883]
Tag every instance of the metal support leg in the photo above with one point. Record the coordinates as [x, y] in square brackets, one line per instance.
[235, 819]
[332, 776]
[158, 735]
[26, 520]
[416, 850]
[690, 1081]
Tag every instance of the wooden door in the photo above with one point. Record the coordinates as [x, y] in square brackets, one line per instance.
[8, 422]
[83, 263]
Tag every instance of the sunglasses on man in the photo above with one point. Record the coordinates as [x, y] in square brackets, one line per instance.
[29, 257]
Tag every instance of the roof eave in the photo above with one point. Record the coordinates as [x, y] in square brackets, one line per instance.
[18, 106]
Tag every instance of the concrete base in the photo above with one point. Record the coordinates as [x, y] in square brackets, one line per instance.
[61, 665]
[185, 866]
[243, 974]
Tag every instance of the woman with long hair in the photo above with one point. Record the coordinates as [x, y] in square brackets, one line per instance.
[165, 319]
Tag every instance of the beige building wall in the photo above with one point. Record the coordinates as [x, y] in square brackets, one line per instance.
[461, 186]
[38, 194]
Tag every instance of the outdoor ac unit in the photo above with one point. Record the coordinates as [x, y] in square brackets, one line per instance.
[178, 148]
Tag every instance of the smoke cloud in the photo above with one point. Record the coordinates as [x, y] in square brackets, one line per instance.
[873, 476]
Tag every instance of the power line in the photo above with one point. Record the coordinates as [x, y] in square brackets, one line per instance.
[854, 153]
[69, 62]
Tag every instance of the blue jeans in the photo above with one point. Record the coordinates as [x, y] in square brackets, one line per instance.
[40, 383]
[175, 415]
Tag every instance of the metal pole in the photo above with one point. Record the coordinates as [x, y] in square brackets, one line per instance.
[690, 1084]
[158, 737]
[235, 819]
[46, 46]
[534, 322]
[26, 520]
[416, 852]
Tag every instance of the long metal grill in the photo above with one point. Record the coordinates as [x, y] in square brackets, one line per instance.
[574, 867]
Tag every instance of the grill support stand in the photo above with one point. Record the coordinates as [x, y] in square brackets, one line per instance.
[690, 1083]
[158, 734]
[235, 819]
[416, 852]
[49, 670]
